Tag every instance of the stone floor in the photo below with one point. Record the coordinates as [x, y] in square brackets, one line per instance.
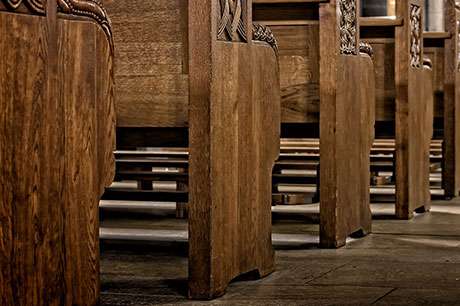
[402, 263]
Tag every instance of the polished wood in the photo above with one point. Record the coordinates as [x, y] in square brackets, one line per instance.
[175, 71]
[57, 135]
[402, 82]
[319, 88]
[451, 175]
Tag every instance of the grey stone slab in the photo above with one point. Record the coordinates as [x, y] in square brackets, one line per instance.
[421, 297]
[385, 273]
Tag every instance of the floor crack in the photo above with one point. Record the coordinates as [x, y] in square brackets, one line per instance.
[383, 296]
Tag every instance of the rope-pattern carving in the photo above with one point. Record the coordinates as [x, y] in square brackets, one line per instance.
[264, 33]
[416, 36]
[230, 24]
[35, 6]
[348, 23]
[88, 8]
[427, 63]
[366, 48]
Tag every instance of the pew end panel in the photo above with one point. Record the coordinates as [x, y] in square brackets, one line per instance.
[234, 142]
[57, 138]
[451, 152]
[352, 211]
[345, 109]
[411, 81]
[401, 81]
[319, 93]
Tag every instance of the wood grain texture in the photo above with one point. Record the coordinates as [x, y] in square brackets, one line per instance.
[346, 129]
[234, 141]
[151, 62]
[55, 81]
[404, 97]
[336, 92]
[411, 84]
[451, 154]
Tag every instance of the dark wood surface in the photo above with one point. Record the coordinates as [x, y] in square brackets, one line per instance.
[403, 97]
[151, 53]
[451, 175]
[318, 82]
[173, 72]
[56, 141]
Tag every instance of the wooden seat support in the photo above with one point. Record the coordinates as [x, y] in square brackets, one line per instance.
[57, 135]
[404, 99]
[203, 67]
[327, 82]
[441, 48]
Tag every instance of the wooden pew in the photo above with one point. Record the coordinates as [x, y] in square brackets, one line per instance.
[57, 136]
[331, 95]
[198, 76]
[404, 103]
[440, 48]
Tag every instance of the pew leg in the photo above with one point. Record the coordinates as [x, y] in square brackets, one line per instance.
[181, 210]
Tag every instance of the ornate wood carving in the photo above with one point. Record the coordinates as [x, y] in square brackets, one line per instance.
[92, 9]
[265, 34]
[366, 48]
[35, 6]
[416, 36]
[88, 8]
[231, 22]
[348, 23]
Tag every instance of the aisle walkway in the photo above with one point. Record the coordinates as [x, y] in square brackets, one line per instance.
[401, 263]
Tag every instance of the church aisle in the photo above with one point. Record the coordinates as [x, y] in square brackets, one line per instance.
[403, 263]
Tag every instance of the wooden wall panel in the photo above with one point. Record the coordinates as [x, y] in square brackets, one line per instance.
[385, 89]
[436, 55]
[150, 62]
[299, 68]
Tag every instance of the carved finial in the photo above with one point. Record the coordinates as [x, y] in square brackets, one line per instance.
[427, 63]
[264, 33]
[366, 48]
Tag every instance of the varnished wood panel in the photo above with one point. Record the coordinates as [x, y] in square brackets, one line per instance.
[451, 152]
[299, 68]
[385, 90]
[56, 143]
[234, 141]
[150, 62]
[32, 168]
[345, 198]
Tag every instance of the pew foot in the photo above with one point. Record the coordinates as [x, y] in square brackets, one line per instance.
[423, 209]
[328, 243]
